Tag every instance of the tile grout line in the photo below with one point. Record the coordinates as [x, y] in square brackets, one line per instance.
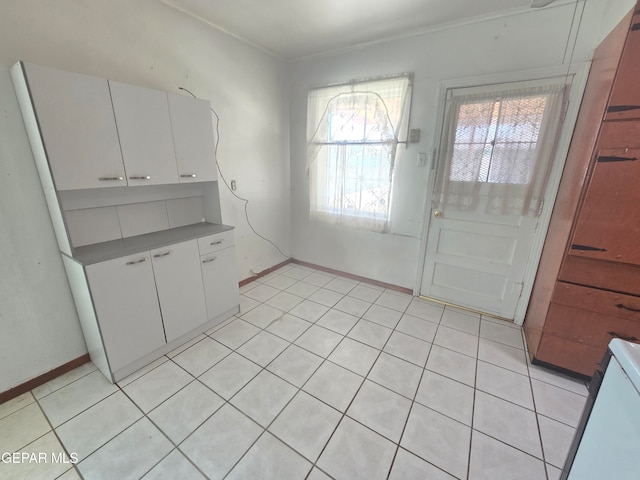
[473, 404]
[406, 422]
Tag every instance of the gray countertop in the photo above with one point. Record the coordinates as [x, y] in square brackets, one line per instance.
[100, 252]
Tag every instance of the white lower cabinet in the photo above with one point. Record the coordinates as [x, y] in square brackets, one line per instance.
[139, 307]
[126, 303]
[180, 290]
[221, 289]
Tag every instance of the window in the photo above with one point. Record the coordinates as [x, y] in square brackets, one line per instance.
[499, 145]
[352, 141]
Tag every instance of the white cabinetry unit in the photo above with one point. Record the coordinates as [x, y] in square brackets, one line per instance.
[78, 129]
[126, 306]
[180, 291]
[133, 253]
[218, 257]
[192, 139]
[144, 128]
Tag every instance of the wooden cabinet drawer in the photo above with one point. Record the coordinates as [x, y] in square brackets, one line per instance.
[596, 300]
[608, 224]
[590, 328]
[614, 276]
[213, 243]
[577, 357]
[624, 102]
[621, 135]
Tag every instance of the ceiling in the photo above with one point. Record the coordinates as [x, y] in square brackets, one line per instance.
[291, 29]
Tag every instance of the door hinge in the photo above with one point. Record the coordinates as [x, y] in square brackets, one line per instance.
[518, 287]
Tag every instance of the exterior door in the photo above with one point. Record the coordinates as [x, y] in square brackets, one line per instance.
[476, 260]
[496, 152]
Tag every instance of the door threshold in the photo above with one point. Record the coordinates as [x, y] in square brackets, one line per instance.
[448, 304]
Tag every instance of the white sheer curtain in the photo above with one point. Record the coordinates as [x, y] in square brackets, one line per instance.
[497, 149]
[352, 135]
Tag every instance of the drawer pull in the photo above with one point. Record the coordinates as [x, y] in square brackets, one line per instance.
[587, 248]
[158, 255]
[218, 242]
[609, 159]
[109, 179]
[134, 262]
[622, 337]
[208, 260]
[624, 307]
[141, 177]
[622, 108]
[188, 175]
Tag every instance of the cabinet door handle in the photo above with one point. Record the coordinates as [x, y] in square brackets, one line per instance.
[622, 337]
[209, 260]
[164, 254]
[134, 262]
[218, 242]
[141, 177]
[108, 179]
[624, 307]
[188, 175]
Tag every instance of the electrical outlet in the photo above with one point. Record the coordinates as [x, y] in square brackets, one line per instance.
[421, 160]
[233, 185]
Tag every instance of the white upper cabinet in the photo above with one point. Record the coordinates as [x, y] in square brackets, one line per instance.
[77, 127]
[193, 138]
[144, 128]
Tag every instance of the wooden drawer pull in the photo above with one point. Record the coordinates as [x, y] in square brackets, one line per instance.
[622, 337]
[624, 307]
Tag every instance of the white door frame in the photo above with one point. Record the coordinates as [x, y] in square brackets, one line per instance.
[580, 74]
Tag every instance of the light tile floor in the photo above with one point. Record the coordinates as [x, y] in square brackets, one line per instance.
[318, 377]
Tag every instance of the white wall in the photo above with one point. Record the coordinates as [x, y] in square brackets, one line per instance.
[141, 42]
[524, 41]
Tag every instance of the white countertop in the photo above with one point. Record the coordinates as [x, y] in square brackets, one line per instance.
[628, 356]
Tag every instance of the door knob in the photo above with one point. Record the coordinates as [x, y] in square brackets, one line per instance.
[437, 213]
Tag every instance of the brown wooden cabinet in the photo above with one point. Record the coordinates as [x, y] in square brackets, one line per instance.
[587, 290]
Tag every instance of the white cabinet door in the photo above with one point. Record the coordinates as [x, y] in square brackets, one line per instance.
[179, 284]
[76, 122]
[193, 138]
[144, 128]
[220, 281]
[126, 303]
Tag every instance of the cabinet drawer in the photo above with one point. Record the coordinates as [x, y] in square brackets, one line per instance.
[213, 243]
[600, 301]
[620, 135]
[563, 353]
[590, 328]
[624, 102]
[609, 221]
[616, 276]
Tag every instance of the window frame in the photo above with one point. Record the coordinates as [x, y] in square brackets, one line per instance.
[324, 210]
